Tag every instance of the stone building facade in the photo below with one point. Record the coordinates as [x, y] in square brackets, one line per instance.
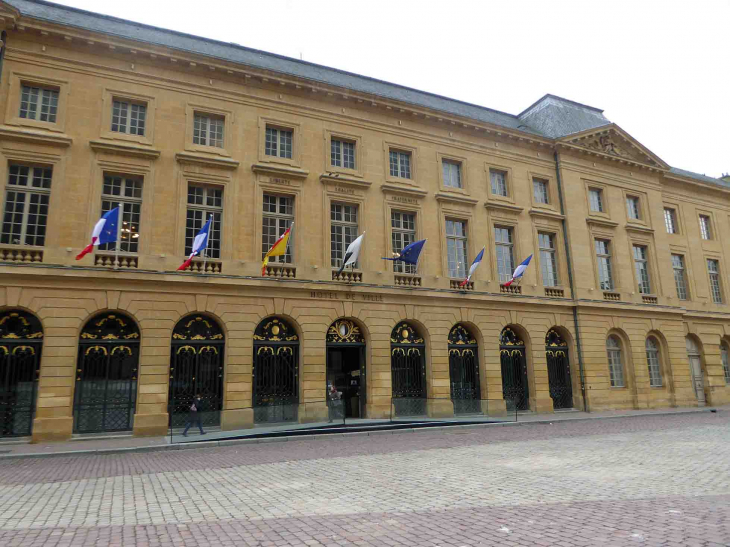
[624, 305]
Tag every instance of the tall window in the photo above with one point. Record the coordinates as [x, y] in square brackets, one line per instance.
[652, 359]
[342, 153]
[278, 216]
[725, 362]
[204, 201]
[548, 262]
[499, 182]
[456, 247]
[632, 207]
[705, 227]
[279, 142]
[680, 280]
[713, 269]
[403, 233]
[615, 364]
[128, 117]
[595, 197]
[208, 130]
[38, 103]
[670, 220]
[26, 205]
[452, 174]
[505, 253]
[343, 231]
[400, 164]
[603, 258]
[641, 264]
[128, 192]
[540, 191]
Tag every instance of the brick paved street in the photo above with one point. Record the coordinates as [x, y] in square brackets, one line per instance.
[654, 480]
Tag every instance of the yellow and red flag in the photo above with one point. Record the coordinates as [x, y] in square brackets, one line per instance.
[278, 248]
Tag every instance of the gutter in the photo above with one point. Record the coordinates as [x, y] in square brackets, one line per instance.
[579, 348]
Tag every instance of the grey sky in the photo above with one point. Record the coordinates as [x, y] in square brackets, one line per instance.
[660, 70]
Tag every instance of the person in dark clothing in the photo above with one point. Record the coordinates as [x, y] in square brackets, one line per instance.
[194, 417]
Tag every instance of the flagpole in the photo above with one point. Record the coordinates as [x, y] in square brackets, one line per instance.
[120, 220]
[205, 257]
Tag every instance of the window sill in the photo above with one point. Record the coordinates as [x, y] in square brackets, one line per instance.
[34, 136]
[549, 213]
[503, 206]
[455, 198]
[281, 170]
[602, 221]
[347, 181]
[206, 161]
[124, 149]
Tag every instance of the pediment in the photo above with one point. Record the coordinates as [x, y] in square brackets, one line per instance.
[612, 141]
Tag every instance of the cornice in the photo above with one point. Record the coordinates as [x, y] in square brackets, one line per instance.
[602, 222]
[504, 206]
[455, 198]
[8, 133]
[545, 213]
[206, 161]
[344, 180]
[639, 228]
[405, 190]
[281, 170]
[125, 149]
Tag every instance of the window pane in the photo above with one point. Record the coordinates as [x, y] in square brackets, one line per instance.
[632, 205]
[705, 229]
[725, 363]
[548, 263]
[615, 365]
[272, 142]
[505, 256]
[670, 221]
[642, 269]
[348, 155]
[336, 153]
[403, 233]
[713, 268]
[452, 174]
[456, 247]
[278, 216]
[652, 359]
[679, 277]
[540, 191]
[204, 202]
[499, 182]
[343, 231]
[26, 205]
[603, 257]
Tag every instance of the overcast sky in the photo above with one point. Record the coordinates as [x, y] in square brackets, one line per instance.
[660, 70]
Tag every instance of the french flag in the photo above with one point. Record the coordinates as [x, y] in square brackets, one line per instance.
[519, 271]
[473, 268]
[105, 231]
[199, 244]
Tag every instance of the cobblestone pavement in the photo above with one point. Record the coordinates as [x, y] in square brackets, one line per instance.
[654, 480]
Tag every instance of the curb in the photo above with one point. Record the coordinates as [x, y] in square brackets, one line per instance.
[295, 438]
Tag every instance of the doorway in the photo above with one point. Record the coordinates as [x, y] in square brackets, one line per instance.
[345, 372]
[695, 367]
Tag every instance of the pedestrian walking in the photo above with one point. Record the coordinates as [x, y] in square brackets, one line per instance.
[194, 416]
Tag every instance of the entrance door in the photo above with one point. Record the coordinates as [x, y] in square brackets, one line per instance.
[698, 382]
[464, 371]
[558, 365]
[408, 371]
[514, 371]
[345, 371]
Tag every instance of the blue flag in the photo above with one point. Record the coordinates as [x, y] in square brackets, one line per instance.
[410, 253]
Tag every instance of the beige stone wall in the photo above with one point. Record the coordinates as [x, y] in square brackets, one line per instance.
[64, 293]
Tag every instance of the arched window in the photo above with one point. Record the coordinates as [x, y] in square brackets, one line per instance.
[652, 359]
[725, 362]
[615, 361]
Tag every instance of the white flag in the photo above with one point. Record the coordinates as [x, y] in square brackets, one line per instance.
[352, 253]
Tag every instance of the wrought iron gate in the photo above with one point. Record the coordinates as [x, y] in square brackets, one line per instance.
[21, 341]
[514, 371]
[464, 371]
[106, 374]
[408, 371]
[561, 389]
[196, 367]
[275, 372]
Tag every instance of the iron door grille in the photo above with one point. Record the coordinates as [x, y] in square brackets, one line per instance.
[515, 389]
[558, 364]
[196, 368]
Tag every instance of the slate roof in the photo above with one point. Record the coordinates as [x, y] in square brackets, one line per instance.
[551, 116]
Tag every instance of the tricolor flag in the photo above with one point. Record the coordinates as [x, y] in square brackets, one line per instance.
[519, 271]
[105, 231]
[352, 253]
[199, 244]
[278, 248]
[473, 268]
[410, 253]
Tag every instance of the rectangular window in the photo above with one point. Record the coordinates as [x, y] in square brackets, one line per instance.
[603, 257]
[400, 164]
[343, 231]
[26, 205]
[548, 262]
[452, 174]
[505, 253]
[126, 191]
[456, 247]
[278, 216]
[713, 268]
[499, 182]
[595, 197]
[632, 207]
[670, 220]
[540, 191]
[705, 227]
[38, 103]
[128, 117]
[342, 154]
[403, 233]
[680, 280]
[208, 130]
[641, 264]
[279, 142]
[204, 201]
